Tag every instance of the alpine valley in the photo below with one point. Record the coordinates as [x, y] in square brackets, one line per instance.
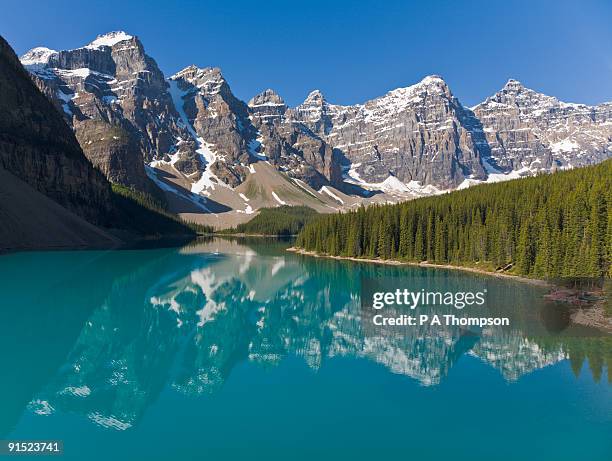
[219, 160]
[224, 308]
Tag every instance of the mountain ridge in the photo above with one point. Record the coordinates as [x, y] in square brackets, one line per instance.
[202, 143]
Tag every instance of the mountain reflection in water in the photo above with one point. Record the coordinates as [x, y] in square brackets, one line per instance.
[102, 334]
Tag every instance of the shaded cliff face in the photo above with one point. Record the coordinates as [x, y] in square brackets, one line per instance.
[113, 82]
[39, 148]
[113, 151]
[531, 131]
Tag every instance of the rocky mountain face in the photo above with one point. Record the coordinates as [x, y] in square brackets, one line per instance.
[39, 148]
[196, 137]
[532, 131]
[233, 134]
[291, 145]
[420, 133]
[117, 101]
[217, 120]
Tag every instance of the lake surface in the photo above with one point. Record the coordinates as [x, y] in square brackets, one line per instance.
[236, 350]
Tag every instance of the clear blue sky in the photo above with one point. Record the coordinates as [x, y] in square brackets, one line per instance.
[350, 50]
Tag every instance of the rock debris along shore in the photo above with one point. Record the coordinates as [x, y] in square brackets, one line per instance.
[542, 283]
[193, 137]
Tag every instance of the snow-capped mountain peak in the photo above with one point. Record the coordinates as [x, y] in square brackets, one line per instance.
[314, 97]
[208, 79]
[110, 39]
[192, 72]
[513, 84]
[38, 55]
[432, 84]
[186, 72]
[400, 98]
[433, 79]
[515, 94]
[531, 131]
[267, 98]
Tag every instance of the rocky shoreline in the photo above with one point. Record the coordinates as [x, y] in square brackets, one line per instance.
[391, 262]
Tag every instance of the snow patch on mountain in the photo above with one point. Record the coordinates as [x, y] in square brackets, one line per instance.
[567, 145]
[415, 187]
[390, 185]
[207, 180]
[197, 200]
[351, 175]
[277, 198]
[82, 72]
[327, 191]
[494, 175]
[173, 159]
[248, 209]
[256, 147]
[302, 185]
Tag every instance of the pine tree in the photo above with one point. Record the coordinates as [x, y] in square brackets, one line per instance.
[419, 253]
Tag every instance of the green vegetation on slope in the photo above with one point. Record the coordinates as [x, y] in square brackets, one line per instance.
[549, 226]
[142, 213]
[283, 220]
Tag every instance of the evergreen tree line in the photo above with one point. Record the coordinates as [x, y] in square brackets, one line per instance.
[283, 220]
[548, 226]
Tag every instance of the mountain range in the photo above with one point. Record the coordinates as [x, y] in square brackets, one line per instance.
[219, 159]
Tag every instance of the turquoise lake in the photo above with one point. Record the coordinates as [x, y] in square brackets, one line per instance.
[237, 349]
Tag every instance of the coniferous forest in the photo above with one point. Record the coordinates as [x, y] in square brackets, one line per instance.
[283, 220]
[548, 226]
